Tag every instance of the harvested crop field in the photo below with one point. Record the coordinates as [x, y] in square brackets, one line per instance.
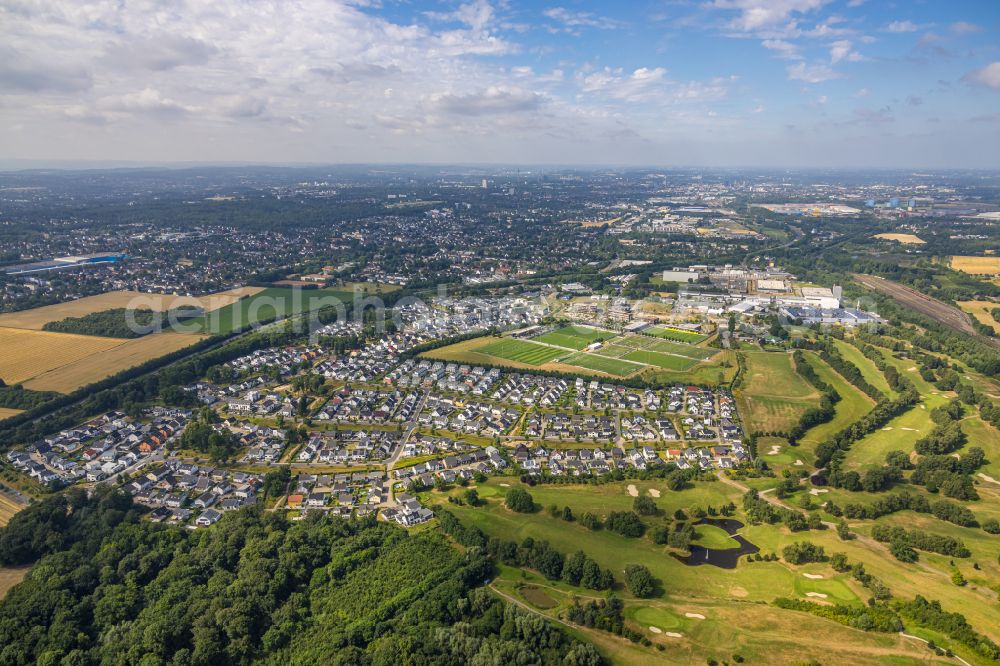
[35, 318]
[981, 310]
[7, 413]
[102, 363]
[8, 507]
[905, 239]
[11, 576]
[25, 353]
[976, 265]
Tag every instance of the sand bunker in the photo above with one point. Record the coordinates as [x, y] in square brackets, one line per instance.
[674, 634]
[505, 485]
[656, 630]
[887, 428]
[819, 595]
[812, 576]
[818, 491]
[696, 616]
[775, 450]
[910, 429]
[654, 492]
[799, 462]
[632, 490]
[986, 477]
[739, 592]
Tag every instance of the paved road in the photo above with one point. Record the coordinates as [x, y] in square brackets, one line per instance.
[391, 463]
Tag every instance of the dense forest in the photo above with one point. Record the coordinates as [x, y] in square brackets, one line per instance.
[111, 588]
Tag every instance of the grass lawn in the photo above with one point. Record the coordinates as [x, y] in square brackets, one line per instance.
[868, 370]
[903, 431]
[667, 361]
[611, 366]
[677, 334]
[521, 351]
[652, 344]
[710, 536]
[853, 404]
[986, 437]
[734, 603]
[574, 337]
[772, 393]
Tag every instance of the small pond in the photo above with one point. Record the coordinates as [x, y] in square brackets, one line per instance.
[722, 558]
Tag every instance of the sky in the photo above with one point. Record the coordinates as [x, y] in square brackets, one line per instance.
[771, 83]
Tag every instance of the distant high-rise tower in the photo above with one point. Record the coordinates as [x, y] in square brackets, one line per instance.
[484, 184]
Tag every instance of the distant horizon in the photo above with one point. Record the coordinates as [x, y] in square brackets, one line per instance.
[10, 166]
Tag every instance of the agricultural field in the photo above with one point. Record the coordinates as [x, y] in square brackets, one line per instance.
[6, 413]
[981, 310]
[265, 305]
[715, 613]
[8, 508]
[11, 576]
[36, 318]
[977, 265]
[905, 239]
[772, 394]
[574, 337]
[521, 351]
[677, 334]
[88, 369]
[26, 353]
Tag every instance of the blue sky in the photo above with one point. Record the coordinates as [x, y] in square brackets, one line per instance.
[820, 83]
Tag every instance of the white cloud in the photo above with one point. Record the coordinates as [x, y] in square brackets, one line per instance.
[571, 21]
[811, 73]
[758, 14]
[988, 76]
[491, 101]
[843, 50]
[782, 49]
[965, 28]
[902, 26]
